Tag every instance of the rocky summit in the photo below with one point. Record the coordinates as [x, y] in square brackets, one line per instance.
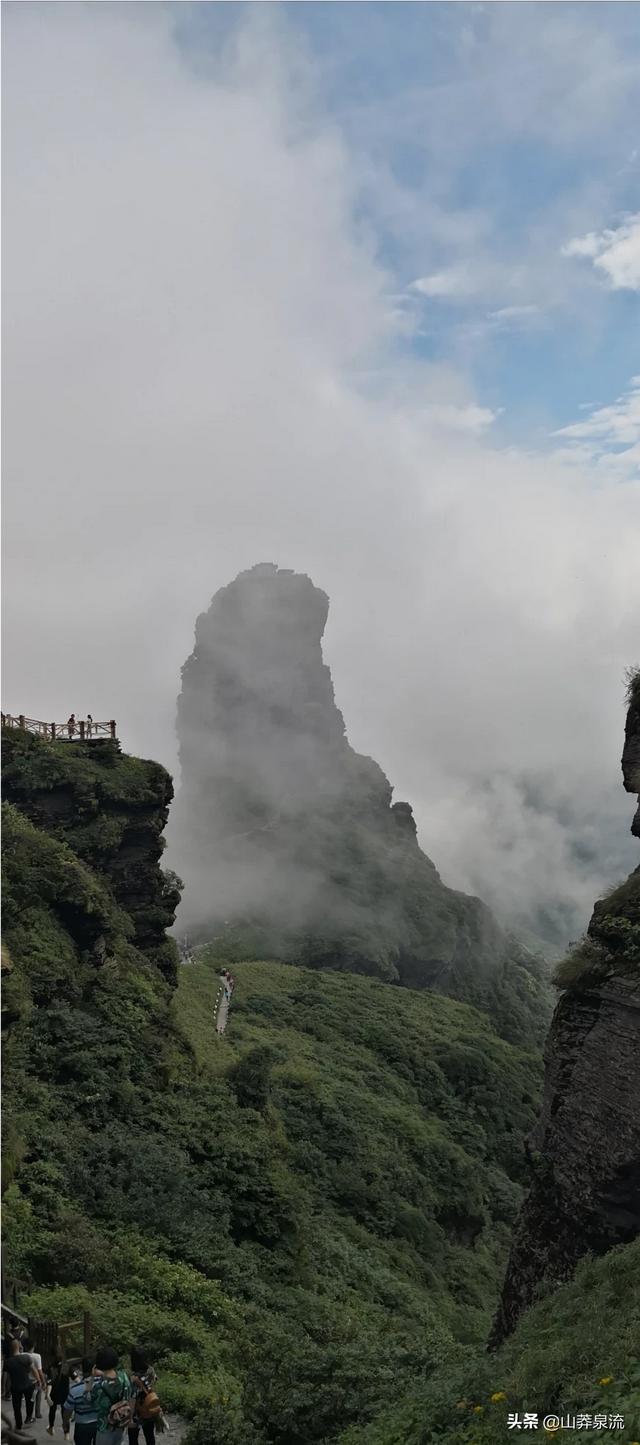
[289, 841]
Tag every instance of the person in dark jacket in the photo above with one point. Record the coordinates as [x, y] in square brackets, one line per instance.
[23, 1379]
[6, 1350]
[58, 1391]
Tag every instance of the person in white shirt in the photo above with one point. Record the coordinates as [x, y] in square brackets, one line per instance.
[36, 1359]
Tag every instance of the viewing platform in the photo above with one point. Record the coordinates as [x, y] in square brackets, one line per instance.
[74, 730]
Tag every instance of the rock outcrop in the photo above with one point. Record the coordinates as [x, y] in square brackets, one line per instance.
[585, 1196]
[631, 751]
[288, 839]
[112, 810]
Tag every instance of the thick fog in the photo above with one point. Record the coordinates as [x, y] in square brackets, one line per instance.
[203, 370]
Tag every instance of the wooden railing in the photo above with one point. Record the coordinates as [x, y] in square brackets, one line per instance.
[80, 730]
[68, 1342]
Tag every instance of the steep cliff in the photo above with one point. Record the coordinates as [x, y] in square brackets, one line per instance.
[585, 1196]
[111, 810]
[288, 840]
[631, 752]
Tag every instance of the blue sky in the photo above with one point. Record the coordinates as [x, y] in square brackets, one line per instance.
[487, 138]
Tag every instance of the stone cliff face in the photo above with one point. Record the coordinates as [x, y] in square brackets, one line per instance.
[111, 809]
[281, 829]
[585, 1196]
[631, 752]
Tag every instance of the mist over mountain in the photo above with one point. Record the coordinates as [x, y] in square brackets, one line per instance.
[548, 848]
[288, 840]
[259, 400]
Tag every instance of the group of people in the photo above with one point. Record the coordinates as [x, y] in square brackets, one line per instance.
[73, 726]
[102, 1399]
[228, 983]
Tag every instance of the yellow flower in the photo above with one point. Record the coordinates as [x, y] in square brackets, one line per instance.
[499, 1395]
[477, 1409]
[606, 1380]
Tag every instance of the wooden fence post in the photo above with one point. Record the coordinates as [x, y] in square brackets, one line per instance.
[81, 726]
[21, 720]
[112, 728]
[53, 732]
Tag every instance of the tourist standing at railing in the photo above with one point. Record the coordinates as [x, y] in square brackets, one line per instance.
[89, 724]
[71, 725]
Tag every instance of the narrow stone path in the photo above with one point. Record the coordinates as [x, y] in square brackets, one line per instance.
[222, 1014]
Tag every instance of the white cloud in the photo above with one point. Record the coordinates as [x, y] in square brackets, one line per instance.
[449, 283]
[617, 425]
[470, 419]
[583, 246]
[606, 443]
[191, 308]
[515, 316]
[616, 253]
[513, 313]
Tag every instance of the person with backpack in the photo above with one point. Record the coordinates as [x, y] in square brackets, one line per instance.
[148, 1411]
[79, 1404]
[113, 1397]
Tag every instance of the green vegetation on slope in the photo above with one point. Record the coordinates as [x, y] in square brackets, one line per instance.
[305, 1222]
[611, 946]
[575, 1352]
[348, 1071]
[297, 1219]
